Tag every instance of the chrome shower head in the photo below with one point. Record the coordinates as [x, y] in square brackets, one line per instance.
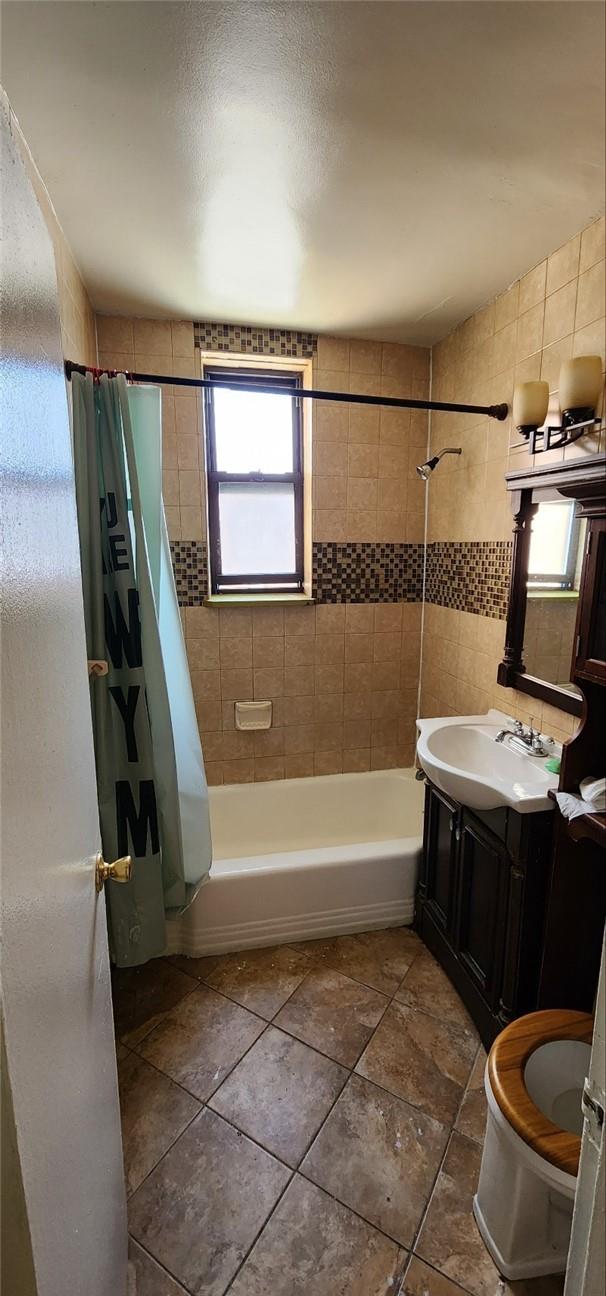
[425, 469]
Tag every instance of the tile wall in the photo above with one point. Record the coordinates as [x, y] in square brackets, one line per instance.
[553, 312]
[548, 638]
[75, 311]
[342, 675]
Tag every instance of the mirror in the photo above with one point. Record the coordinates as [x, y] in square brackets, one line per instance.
[549, 504]
[551, 564]
[555, 560]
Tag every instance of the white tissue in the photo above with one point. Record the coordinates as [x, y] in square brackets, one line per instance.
[572, 806]
[594, 790]
[593, 800]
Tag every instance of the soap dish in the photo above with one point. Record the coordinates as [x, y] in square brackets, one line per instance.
[253, 715]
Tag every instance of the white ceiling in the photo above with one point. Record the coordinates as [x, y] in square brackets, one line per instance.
[366, 168]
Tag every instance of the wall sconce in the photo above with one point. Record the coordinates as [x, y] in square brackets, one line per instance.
[580, 387]
[579, 393]
[530, 404]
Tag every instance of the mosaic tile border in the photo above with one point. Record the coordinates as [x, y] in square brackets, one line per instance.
[249, 340]
[367, 572]
[470, 575]
[190, 567]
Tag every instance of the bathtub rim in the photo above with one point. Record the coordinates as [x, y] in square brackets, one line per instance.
[315, 857]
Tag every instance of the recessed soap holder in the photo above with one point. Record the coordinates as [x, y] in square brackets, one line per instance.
[253, 715]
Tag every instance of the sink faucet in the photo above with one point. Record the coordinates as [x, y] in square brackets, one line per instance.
[528, 740]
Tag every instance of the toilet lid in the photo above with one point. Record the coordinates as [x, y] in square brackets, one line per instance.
[506, 1063]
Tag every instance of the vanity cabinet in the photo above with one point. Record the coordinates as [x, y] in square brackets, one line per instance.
[481, 902]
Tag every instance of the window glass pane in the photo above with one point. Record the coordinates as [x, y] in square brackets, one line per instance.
[253, 432]
[550, 539]
[257, 525]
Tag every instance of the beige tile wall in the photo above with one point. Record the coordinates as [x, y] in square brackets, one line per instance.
[548, 638]
[166, 347]
[75, 311]
[76, 314]
[364, 480]
[553, 312]
[342, 679]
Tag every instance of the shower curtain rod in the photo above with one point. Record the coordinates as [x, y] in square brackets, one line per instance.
[306, 393]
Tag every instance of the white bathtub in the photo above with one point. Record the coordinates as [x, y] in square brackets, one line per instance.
[299, 858]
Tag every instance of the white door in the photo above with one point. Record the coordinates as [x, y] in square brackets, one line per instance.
[585, 1275]
[58, 1037]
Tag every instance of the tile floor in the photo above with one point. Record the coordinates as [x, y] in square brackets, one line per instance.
[303, 1121]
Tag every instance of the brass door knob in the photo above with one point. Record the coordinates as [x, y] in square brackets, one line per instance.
[121, 870]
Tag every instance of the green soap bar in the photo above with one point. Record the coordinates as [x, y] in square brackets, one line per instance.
[553, 765]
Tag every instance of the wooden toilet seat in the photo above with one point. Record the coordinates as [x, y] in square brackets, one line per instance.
[506, 1062]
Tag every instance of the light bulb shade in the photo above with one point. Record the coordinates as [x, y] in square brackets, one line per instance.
[580, 384]
[530, 402]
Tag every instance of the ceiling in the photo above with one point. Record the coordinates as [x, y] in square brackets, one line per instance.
[379, 169]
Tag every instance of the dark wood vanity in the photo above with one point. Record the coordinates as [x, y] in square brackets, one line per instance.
[513, 906]
[481, 902]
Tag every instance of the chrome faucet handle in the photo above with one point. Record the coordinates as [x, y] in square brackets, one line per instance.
[518, 728]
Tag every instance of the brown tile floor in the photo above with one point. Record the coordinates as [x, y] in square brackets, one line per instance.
[303, 1121]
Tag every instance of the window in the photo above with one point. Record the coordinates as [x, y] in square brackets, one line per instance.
[553, 546]
[255, 482]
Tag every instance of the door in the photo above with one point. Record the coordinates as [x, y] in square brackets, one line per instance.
[58, 1038]
[481, 910]
[441, 819]
[586, 1258]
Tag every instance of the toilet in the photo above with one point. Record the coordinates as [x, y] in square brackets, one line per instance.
[534, 1081]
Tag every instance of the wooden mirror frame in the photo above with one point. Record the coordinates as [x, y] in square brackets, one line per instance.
[581, 480]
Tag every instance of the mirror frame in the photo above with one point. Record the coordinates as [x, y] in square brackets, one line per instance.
[581, 480]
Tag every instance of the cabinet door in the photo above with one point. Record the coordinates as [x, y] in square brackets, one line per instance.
[441, 819]
[483, 871]
[590, 648]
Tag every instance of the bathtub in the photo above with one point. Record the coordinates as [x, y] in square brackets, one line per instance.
[306, 857]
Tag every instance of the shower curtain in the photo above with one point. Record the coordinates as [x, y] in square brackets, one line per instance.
[153, 800]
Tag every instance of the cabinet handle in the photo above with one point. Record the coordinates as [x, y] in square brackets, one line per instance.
[454, 827]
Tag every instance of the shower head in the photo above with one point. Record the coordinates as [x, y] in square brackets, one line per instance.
[425, 469]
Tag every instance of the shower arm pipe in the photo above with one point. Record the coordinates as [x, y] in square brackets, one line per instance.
[448, 450]
[305, 393]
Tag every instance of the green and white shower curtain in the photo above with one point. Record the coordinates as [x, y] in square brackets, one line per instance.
[153, 801]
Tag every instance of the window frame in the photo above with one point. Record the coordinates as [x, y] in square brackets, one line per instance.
[242, 583]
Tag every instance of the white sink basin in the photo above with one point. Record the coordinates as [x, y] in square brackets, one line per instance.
[459, 754]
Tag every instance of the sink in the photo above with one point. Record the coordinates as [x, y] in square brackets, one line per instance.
[459, 754]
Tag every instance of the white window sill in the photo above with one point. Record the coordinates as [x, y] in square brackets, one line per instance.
[256, 600]
[558, 596]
